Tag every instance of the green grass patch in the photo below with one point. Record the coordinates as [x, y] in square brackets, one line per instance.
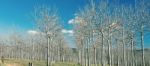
[65, 64]
[19, 62]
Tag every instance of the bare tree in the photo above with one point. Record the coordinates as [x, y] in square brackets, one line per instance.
[47, 22]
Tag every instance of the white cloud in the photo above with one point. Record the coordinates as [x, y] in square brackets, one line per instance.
[71, 21]
[67, 31]
[32, 32]
[76, 20]
[64, 31]
[70, 31]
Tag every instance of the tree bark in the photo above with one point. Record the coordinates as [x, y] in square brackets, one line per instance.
[102, 54]
[124, 49]
[48, 42]
[118, 56]
[142, 45]
[95, 57]
[109, 45]
[132, 51]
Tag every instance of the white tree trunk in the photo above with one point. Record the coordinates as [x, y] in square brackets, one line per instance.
[142, 45]
[48, 44]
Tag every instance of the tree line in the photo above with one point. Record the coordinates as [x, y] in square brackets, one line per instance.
[105, 33]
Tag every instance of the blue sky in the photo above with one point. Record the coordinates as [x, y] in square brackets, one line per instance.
[15, 14]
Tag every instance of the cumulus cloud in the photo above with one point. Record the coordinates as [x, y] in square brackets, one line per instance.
[70, 31]
[71, 21]
[32, 32]
[64, 31]
[67, 31]
[76, 20]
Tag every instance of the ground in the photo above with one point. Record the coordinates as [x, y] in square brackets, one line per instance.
[18, 62]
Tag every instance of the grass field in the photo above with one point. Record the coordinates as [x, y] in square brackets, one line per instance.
[17, 62]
